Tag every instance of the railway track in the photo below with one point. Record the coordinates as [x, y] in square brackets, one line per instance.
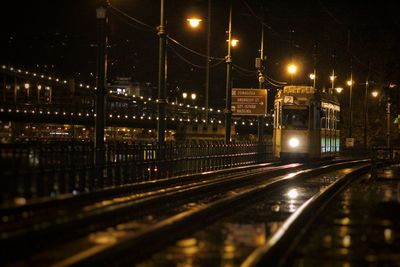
[138, 224]
[25, 228]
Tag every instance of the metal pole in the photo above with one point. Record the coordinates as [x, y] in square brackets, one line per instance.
[366, 107]
[388, 122]
[315, 65]
[260, 129]
[228, 111]
[366, 113]
[161, 124]
[208, 59]
[350, 105]
[100, 92]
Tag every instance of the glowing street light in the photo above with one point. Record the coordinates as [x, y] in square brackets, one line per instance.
[194, 22]
[374, 93]
[193, 96]
[234, 42]
[292, 69]
[350, 82]
[339, 89]
[312, 76]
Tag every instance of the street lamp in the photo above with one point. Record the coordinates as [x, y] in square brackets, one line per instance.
[228, 93]
[194, 22]
[291, 69]
[234, 42]
[193, 96]
[339, 89]
[375, 93]
[333, 78]
[162, 33]
[27, 86]
[184, 95]
[350, 84]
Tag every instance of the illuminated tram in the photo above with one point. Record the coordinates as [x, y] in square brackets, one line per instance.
[305, 123]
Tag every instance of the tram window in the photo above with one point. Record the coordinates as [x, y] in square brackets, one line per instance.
[295, 118]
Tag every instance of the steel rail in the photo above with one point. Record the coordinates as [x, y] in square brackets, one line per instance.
[178, 224]
[277, 250]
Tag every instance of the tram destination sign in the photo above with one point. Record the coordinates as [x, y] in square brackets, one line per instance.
[250, 102]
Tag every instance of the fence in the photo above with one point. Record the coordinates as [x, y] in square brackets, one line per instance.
[35, 170]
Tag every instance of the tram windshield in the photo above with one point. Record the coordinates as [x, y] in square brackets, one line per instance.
[295, 118]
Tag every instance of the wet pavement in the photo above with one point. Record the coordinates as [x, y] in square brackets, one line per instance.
[230, 240]
[361, 229]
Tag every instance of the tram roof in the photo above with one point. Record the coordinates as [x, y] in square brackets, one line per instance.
[307, 91]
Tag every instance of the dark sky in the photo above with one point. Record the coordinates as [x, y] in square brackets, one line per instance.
[61, 35]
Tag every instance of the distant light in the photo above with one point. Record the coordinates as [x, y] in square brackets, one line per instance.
[293, 194]
[292, 68]
[234, 42]
[194, 22]
[350, 82]
[184, 95]
[26, 85]
[332, 78]
[339, 89]
[374, 93]
[193, 96]
[312, 76]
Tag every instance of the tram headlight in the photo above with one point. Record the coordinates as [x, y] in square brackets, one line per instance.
[294, 142]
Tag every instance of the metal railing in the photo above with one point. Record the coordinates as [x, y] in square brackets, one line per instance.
[35, 170]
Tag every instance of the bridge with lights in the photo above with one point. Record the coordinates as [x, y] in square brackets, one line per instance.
[34, 97]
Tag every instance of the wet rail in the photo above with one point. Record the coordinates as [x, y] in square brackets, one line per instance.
[53, 221]
[171, 220]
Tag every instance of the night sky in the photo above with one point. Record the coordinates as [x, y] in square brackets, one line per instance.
[60, 37]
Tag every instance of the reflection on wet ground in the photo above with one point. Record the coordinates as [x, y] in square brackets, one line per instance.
[230, 240]
[362, 228]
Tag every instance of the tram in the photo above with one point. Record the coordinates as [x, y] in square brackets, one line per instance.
[305, 124]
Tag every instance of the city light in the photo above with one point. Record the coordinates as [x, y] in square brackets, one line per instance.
[193, 96]
[234, 42]
[292, 68]
[374, 93]
[312, 76]
[194, 22]
[339, 89]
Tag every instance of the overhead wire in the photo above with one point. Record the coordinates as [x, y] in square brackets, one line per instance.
[191, 63]
[131, 18]
[193, 51]
[129, 23]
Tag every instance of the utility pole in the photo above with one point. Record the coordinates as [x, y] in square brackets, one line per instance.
[208, 59]
[101, 83]
[333, 71]
[261, 80]
[315, 65]
[228, 104]
[161, 124]
[388, 123]
[366, 107]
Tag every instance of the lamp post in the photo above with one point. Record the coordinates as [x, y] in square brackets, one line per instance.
[193, 96]
[161, 124]
[350, 84]
[261, 79]
[228, 104]
[100, 107]
[292, 69]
